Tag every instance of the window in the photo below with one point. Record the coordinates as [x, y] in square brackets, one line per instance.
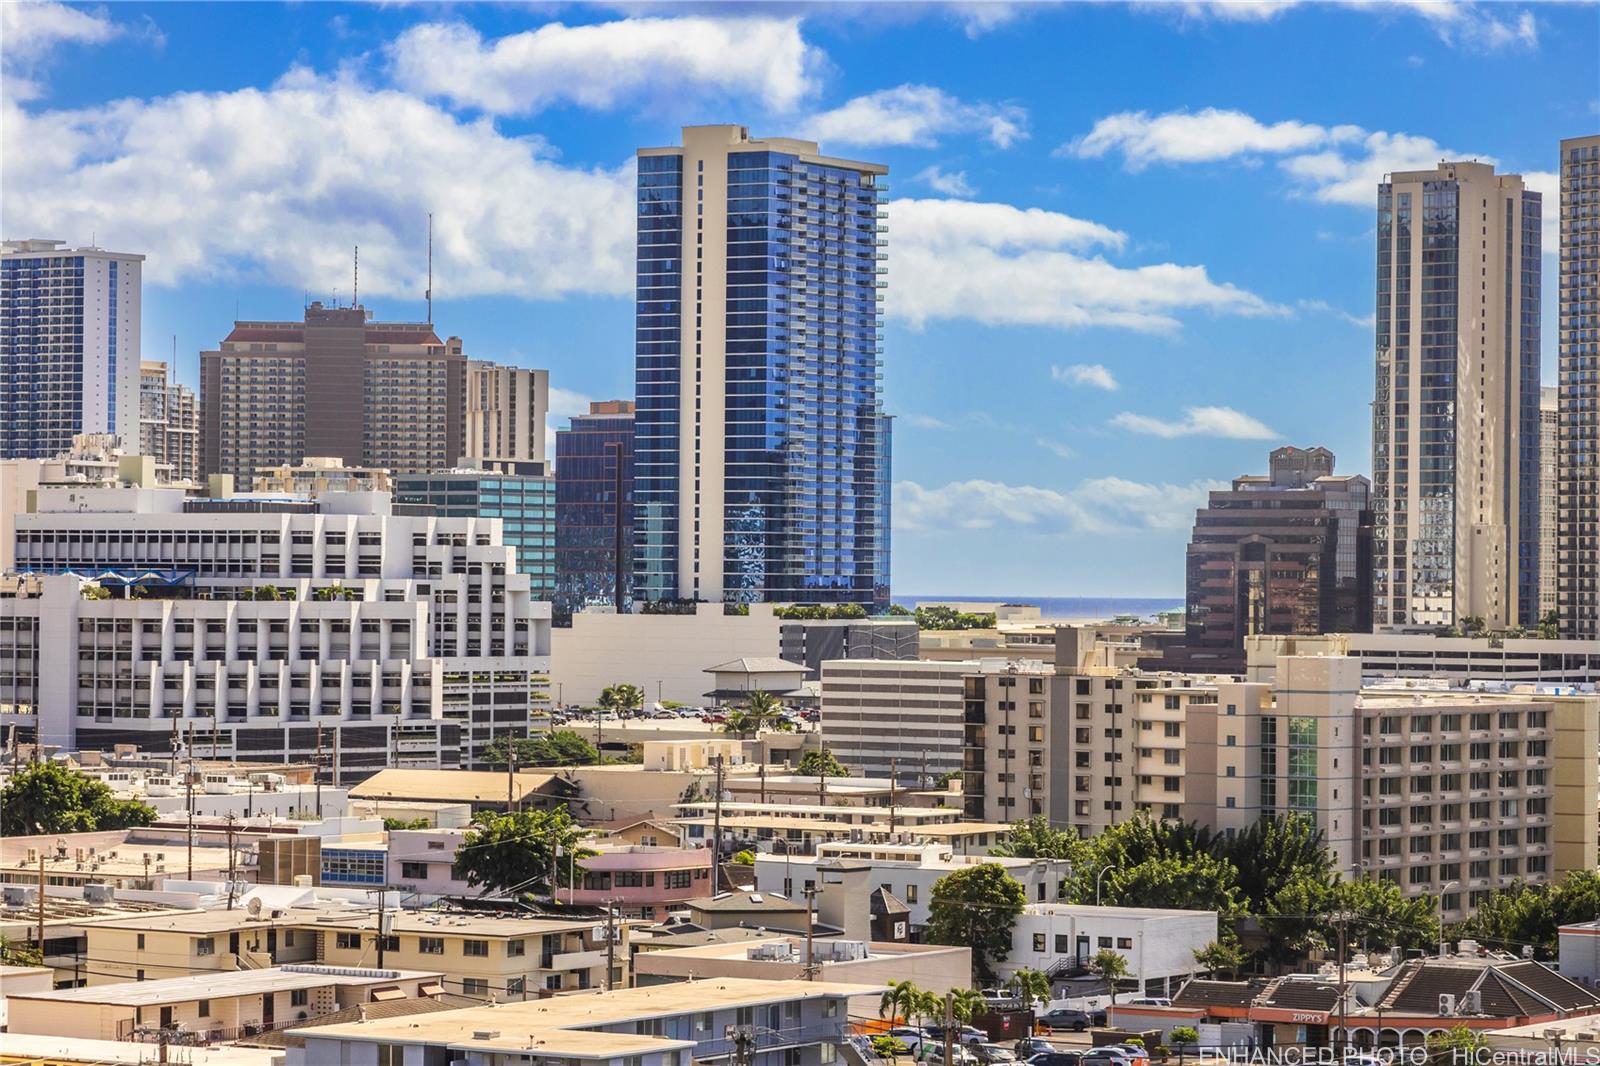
[515, 949]
[430, 945]
[515, 986]
[205, 946]
[478, 986]
[1124, 942]
[300, 997]
[1039, 943]
[141, 937]
[414, 871]
[391, 1055]
[203, 1008]
[1103, 942]
[348, 941]
[911, 893]
[478, 948]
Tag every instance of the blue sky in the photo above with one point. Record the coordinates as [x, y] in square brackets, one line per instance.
[1131, 246]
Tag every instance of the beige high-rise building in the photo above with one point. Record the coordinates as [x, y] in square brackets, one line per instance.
[169, 421]
[507, 407]
[1578, 498]
[1455, 426]
[336, 384]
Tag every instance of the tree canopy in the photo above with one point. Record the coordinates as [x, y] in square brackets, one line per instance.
[621, 698]
[516, 854]
[562, 747]
[1531, 914]
[821, 763]
[976, 907]
[1036, 838]
[51, 797]
[950, 618]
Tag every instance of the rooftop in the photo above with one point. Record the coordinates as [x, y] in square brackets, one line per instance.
[213, 985]
[70, 1049]
[458, 786]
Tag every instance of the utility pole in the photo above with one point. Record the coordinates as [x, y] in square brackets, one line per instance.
[1343, 918]
[317, 775]
[213, 732]
[511, 775]
[41, 902]
[763, 771]
[382, 934]
[230, 860]
[716, 830]
[335, 756]
[611, 943]
[811, 924]
[949, 1028]
[922, 776]
[894, 775]
[188, 791]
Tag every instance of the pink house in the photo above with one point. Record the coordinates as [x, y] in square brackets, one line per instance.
[645, 882]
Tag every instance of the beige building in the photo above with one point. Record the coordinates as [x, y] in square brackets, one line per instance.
[1577, 537]
[1456, 531]
[1549, 485]
[507, 407]
[317, 474]
[169, 422]
[905, 713]
[212, 1007]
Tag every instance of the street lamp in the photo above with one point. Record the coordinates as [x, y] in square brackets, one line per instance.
[1103, 871]
[1444, 944]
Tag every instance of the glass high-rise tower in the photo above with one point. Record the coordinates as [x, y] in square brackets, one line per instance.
[1578, 403]
[1455, 417]
[758, 462]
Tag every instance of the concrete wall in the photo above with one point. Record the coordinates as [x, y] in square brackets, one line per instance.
[666, 655]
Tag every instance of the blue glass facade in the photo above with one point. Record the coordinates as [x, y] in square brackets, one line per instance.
[803, 464]
[587, 455]
[525, 504]
[41, 354]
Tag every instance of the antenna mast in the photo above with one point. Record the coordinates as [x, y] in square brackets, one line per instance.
[355, 279]
[429, 293]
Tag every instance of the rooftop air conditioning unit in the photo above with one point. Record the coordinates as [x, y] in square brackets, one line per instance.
[1472, 1002]
[1447, 1004]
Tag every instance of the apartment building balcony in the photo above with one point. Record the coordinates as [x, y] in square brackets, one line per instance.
[577, 960]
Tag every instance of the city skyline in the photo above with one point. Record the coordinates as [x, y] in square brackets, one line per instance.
[1141, 342]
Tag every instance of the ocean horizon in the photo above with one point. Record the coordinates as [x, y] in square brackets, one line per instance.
[1073, 608]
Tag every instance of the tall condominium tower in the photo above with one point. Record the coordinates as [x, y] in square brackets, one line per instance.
[377, 394]
[1287, 553]
[1549, 483]
[506, 411]
[757, 455]
[594, 508]
[69, 346]
[1455, 421]
[1578, 497]
[169, 422]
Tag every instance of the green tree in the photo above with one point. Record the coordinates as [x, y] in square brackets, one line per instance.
[52, 797]
[1183, 1037]
[1202, 883]
[743, 858]
[898, 1000]
[888, 1047]
[1274, 851]
[1459, 1044]
[976, 907]
[927, 1004]
[392, 824]
[967, 1004]
[562, 747]
[821, 763]
[1028, 985]
[1036, 838]
[897, 611]
[621, 698]
[942, 618]
[1531, 914]
[515, 854]
[1111, 967]
[1221, 957]
[15, 954]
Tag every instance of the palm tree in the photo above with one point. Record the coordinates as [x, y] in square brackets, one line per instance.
[621, 698]
[928, 1005]
[1110, 966]
[898, 1000]
[764, 708]
[967, 1004]
[1030, 985]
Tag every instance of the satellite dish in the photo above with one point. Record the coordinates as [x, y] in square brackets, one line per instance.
[254, 906]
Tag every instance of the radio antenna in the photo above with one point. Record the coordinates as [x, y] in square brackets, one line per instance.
[355, 279]
[429, 293]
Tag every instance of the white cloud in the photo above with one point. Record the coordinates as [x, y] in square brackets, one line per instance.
[1223, 422]
[1092, 374]
[1548, 185]
[1003, 265]
[1465, 24]
[31, 28]
[349, 165]
[1055, 448]
[920, 421]
[981, 16]
[915, 115]
[1098, 505]
[1338, 177]
[938, 180]
[1366, 321]
[564, 405]
[1202, 136]
[600, 66]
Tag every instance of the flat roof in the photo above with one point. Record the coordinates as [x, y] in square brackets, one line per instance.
[64, 1049]
[459, 786]
[216, 920]
[220, 985]
[536, 1019]
[447, 923]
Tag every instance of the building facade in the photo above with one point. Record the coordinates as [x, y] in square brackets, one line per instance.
[275, 392]
[507, 407]
[264, 626]
[1455, 418]
[169, 422]
[1286, 553]
[594, 542]
[524, 504]
[1549, 496]
[758, 456]
[69, 346]
[908, 714]
[814, 641]
[1578, 497]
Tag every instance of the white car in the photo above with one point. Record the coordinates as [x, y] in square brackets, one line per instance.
[910, 1037]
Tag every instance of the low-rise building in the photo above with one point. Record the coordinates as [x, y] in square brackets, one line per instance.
[798, 1022]
[1579, 949]
[211, 1007]
[482, 790]
[1059, 939]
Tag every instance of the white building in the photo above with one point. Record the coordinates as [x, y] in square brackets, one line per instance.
[1159, 945]
[262, 623]
[905, 871]
[878, 712]
[666, 655]
[1580, 951]
[69, 358]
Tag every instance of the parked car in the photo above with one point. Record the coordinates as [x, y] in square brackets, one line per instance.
[960, 1055]
[1109, 1056]
[1065, 1018]
[966, 1034]
[1029, 1046]
[911, 1037]
[1056, 1058]
[991, 1054]
[1150, 1001]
